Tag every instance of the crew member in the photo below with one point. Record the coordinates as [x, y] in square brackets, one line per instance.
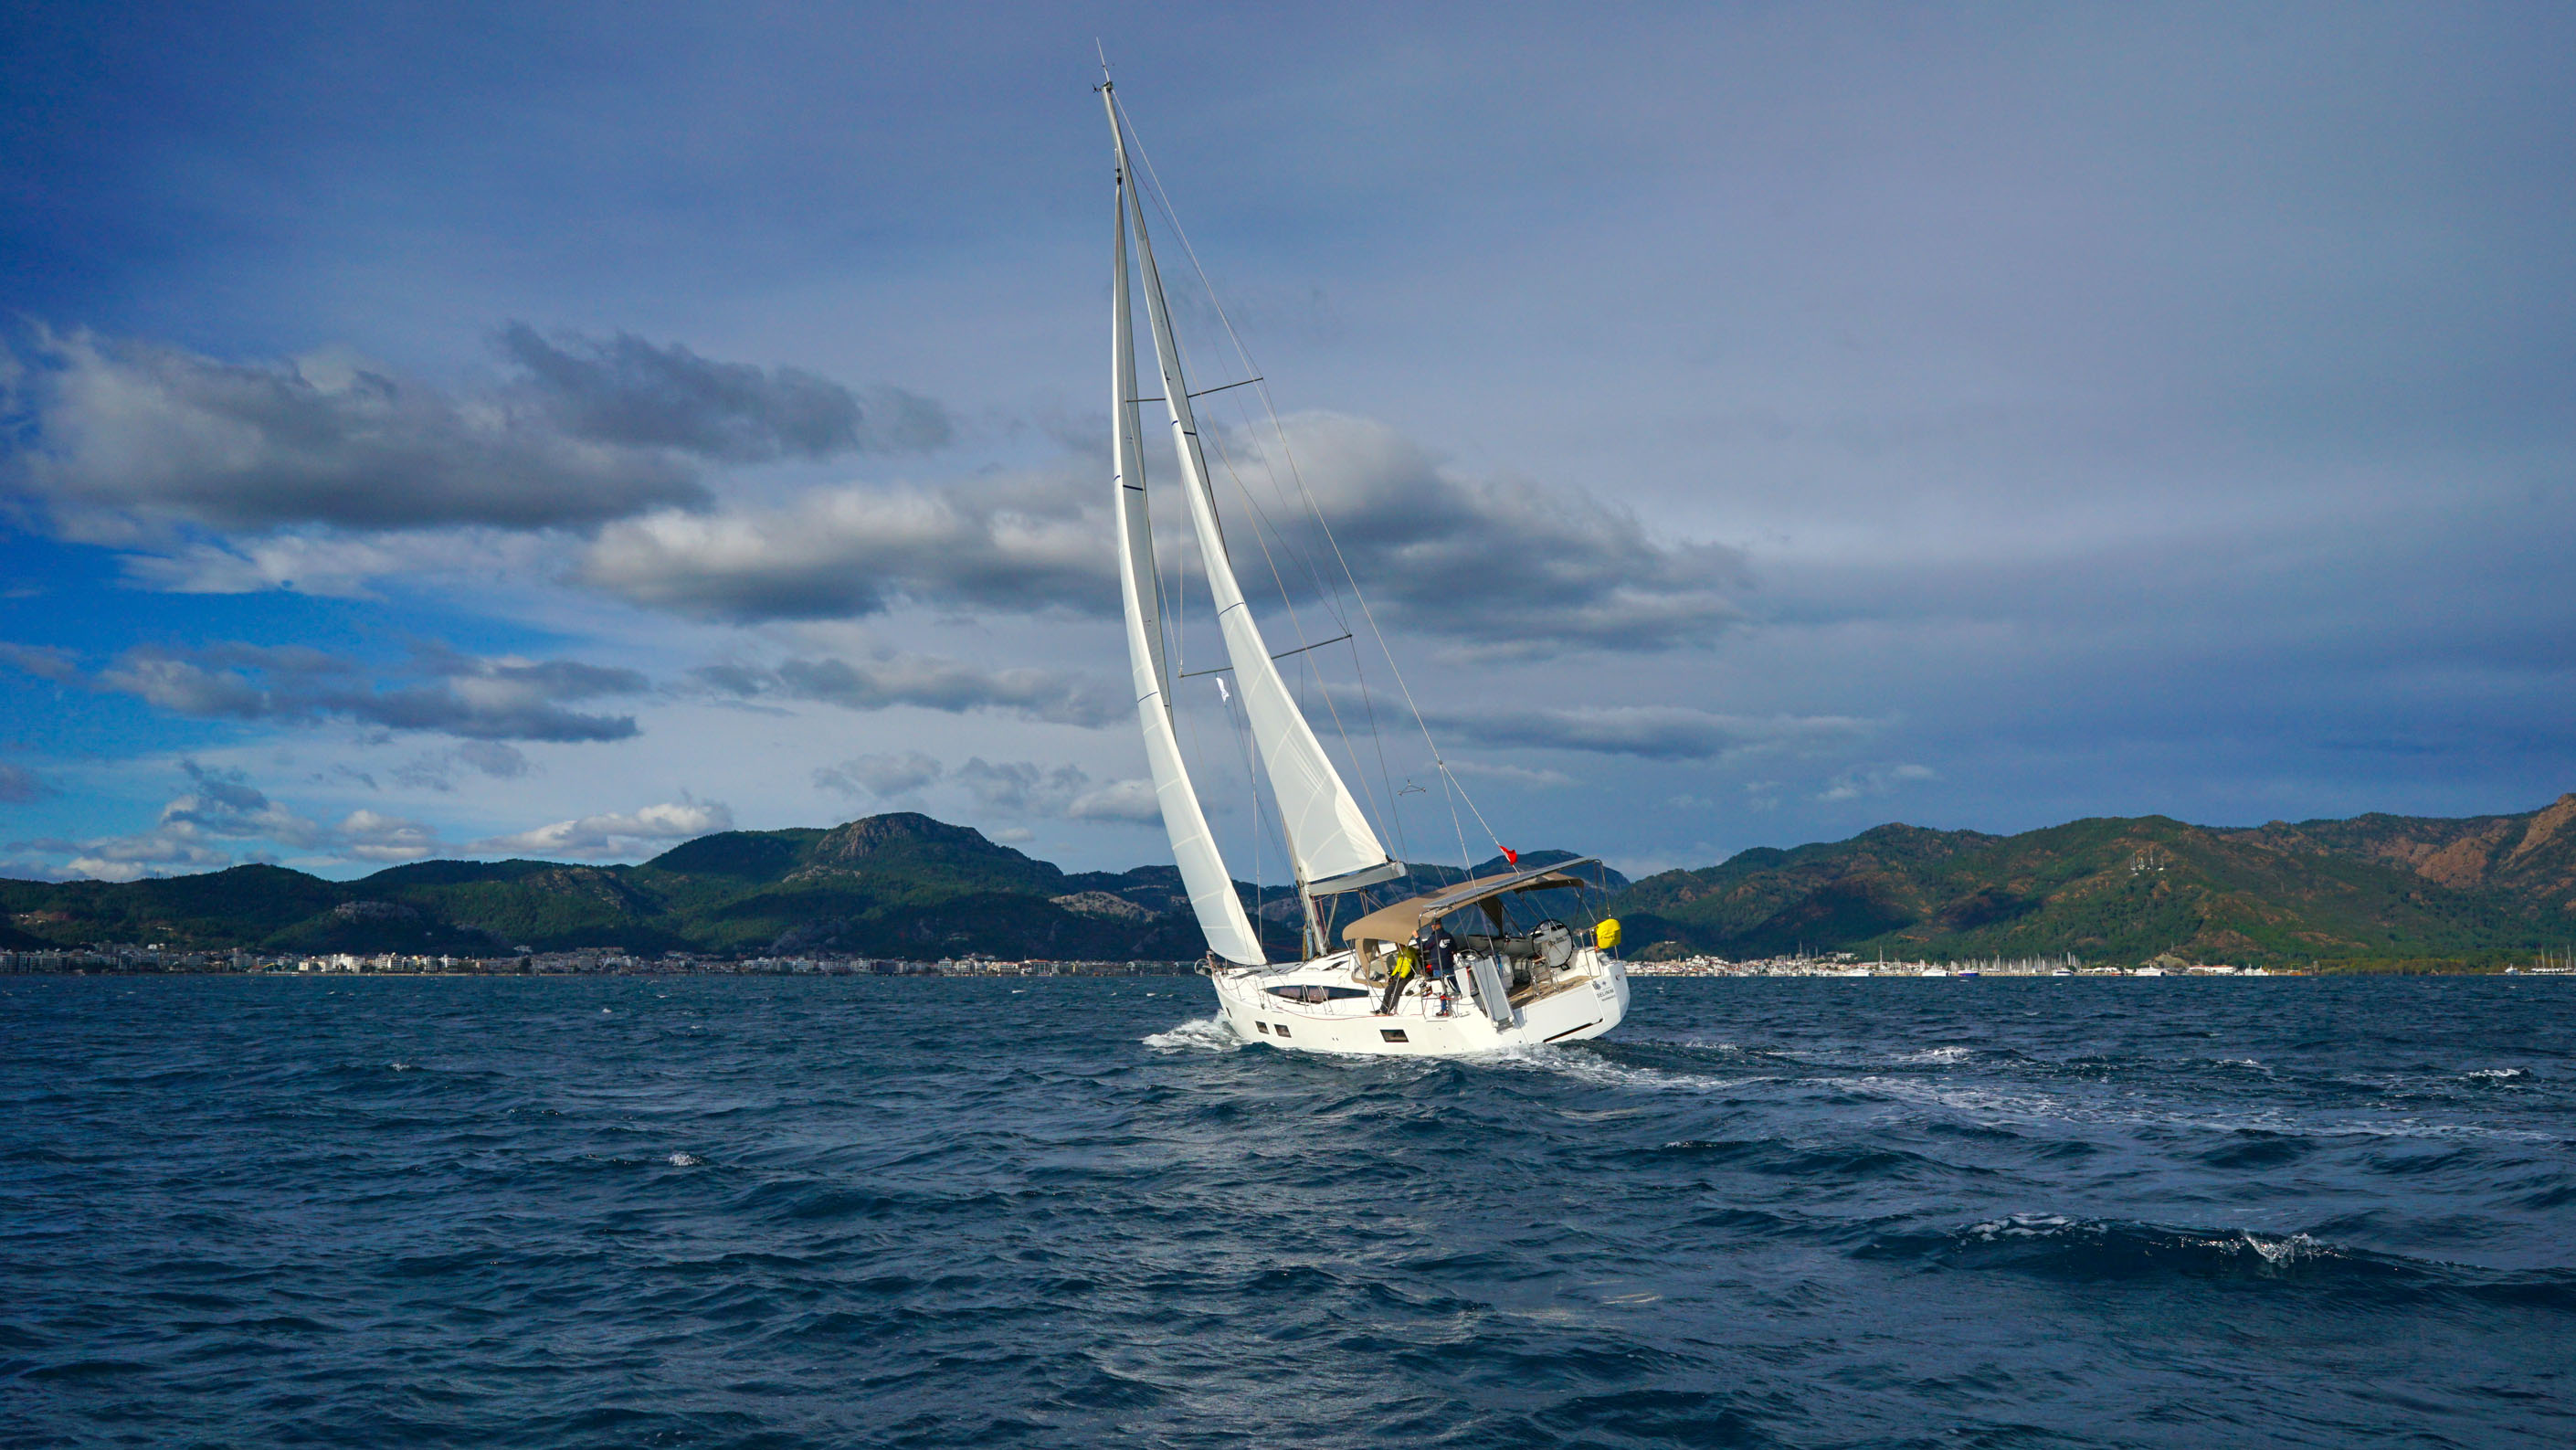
[1397, 974]
[1437, 951]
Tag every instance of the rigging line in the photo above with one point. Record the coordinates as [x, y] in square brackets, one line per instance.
[1330, 596]
[1471, 806]
[1449, 788]
[1377, 738]
[1332, 707]
[1151, 186]
[1327, 595]
[1270, 531]
[1259, 535]
[1283, 654]
[1262, 535]
[1162, 200]
[1360, 596]
[1252, 784]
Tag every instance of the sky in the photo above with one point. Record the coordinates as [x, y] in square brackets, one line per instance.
[561, 431]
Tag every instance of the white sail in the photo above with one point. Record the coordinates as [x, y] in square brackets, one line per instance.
[1203, 873]
[1332, 843]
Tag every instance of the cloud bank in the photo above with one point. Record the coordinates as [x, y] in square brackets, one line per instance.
[438, 692]
[122, 439]
[928, 681]
[132, 434]
[626, 391]
[1500, 566]
[202, 830]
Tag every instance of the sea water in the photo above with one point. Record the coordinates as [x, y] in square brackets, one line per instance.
[863, 1212]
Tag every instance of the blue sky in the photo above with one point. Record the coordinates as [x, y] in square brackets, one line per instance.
[447, 430]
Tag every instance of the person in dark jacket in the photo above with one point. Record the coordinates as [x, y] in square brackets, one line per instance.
[1437, 951]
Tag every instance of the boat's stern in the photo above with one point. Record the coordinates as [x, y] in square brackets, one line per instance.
[1326, 1005]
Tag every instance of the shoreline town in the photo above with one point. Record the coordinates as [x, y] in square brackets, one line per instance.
[126, 959]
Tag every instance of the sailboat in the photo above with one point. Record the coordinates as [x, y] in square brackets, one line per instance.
[1368, 992]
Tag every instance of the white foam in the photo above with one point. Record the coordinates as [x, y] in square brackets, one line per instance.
[2278, 1253]
[1199, 1034]
[2023, 1226]
[1585, 1067]
[1994, 1104]
[2275, 1253]
[686, 1160]
[2501, 1074]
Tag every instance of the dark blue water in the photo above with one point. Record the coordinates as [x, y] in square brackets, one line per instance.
[778, 1212]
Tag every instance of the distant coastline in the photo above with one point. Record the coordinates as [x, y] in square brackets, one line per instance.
[2375, 893]
[127, 960]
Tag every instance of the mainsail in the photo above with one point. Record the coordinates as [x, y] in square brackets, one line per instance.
[1330, 840]
[1203, 874]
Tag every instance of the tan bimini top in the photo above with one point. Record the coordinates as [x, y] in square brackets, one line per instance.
[1399, 922]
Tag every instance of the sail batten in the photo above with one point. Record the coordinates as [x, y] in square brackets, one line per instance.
[1204, 877]
[1329, 838]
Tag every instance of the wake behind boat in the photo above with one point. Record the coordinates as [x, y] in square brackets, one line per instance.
[1444, 972]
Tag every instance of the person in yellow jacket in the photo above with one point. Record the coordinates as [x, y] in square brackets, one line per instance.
[1397, 974]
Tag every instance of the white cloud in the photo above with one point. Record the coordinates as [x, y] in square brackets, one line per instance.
[371, 836]
[130, 436]
[619, 834]
[1497, 565]
[1117, 800]
[883, 776]
[1022, 787]
[989, 542]
[894, 678]
[1501, 564]
[439, 691]
[198, 831]
[1875, 780]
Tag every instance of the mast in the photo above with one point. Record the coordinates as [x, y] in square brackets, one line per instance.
[1330, 842]
[1203, 872]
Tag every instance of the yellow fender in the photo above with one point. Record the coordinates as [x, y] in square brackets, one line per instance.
[1605, 937]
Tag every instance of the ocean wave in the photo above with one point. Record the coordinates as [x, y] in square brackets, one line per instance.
[2093, 1249]
[1199, 1034]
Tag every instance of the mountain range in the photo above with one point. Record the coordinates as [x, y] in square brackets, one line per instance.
[2376, 888]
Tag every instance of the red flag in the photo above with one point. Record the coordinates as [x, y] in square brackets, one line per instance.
[1511, 855]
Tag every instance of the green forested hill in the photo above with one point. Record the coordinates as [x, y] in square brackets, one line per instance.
[2371, 888]
[898, 885]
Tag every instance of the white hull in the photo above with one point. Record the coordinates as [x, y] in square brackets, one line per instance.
[1584, 999]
